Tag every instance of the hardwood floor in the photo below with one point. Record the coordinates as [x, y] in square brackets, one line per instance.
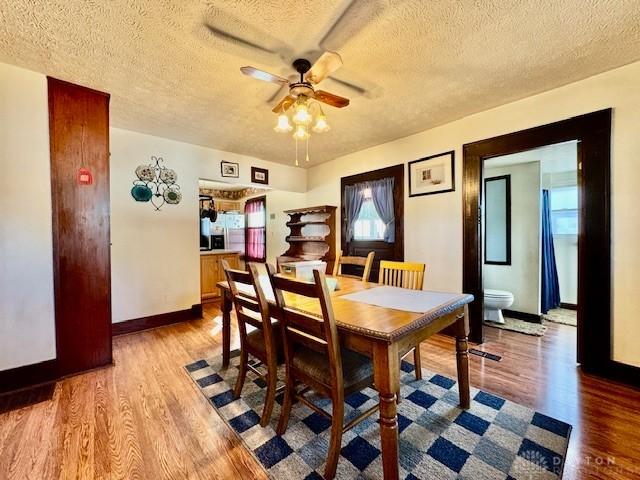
[144, 418]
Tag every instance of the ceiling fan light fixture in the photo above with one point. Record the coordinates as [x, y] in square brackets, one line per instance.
[283, 125]
[301, 133]
[321, 124]
[302, 115]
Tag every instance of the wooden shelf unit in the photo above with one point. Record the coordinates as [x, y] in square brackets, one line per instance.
[312, 235]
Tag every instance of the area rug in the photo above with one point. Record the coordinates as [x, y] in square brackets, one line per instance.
[563, 316]
[520, 326]
[495, 440]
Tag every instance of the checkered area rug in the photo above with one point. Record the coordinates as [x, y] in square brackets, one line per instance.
[496, 439]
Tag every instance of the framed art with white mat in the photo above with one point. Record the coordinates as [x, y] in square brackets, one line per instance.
[433, 174]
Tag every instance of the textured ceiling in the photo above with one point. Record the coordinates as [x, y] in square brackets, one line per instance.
[418, 64]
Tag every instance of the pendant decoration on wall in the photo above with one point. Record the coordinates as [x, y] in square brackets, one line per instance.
[157, 184]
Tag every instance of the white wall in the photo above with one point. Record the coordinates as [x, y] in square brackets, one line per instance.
[155, 255]
[27, 326]
[522, 277]
[277, 231]
[566, 250]
[433, 223]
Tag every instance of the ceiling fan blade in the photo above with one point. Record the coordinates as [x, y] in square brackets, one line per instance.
[235, 39]
[227, 31]
[264, 76]
[275, 95]
[328, 63]
[280, 91]
[331, 99]
[354, 18]
[284, 104]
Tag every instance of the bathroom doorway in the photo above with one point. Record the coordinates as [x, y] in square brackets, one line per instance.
[530, 227]
[592, 135]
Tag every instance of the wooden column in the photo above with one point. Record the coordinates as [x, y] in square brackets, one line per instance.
[79, 139]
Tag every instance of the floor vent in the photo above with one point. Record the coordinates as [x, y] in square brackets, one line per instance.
[488, 355]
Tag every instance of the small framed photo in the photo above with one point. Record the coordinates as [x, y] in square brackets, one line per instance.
[259, 175]
[229, 169]
[434, 174]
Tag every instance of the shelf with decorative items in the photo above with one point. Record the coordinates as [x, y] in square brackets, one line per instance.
[312, 235]
[156, 184]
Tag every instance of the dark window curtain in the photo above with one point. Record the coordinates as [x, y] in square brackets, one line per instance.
[353, 199]
[255, 230]
[550, 286]
[382, 197]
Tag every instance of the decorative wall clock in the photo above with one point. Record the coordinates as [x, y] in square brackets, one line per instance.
[157, 184]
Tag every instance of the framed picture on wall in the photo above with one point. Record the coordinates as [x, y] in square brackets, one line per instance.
[229, 169]
[259, 175]
[433, 174]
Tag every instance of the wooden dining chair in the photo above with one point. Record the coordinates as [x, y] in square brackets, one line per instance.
[315, 360]
[404, 275]
[263, 343]
[365, 262]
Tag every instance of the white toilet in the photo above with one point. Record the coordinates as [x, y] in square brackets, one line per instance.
[494, 302]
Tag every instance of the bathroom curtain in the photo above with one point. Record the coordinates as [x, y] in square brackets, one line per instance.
[353, 199]
[550, 286]
[382, 197]
[255, 231]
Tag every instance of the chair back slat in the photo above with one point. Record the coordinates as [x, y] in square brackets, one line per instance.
[402, 274]
[248, 303]
[299, 287]
[301, 338]
[365, 262]
[306, 323]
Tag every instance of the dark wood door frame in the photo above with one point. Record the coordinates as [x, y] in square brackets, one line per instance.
[593, 132]
[362, 247]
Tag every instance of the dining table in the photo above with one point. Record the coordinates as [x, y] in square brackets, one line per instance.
[381, 323]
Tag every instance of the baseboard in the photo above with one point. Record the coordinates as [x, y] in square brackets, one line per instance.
[569, 306]
[28, 376]
[617, 372]
[527, 317]
[155, 321]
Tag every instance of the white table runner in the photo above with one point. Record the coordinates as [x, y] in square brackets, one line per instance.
[418, 301]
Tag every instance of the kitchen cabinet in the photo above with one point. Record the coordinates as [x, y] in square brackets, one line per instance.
[227, 206]
[211, 272]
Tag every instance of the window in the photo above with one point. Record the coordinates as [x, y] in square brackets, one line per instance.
[255, 230]
[564, 210]
[369, 225]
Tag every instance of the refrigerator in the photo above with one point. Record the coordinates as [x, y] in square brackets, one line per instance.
[231, 225]
[234, 232]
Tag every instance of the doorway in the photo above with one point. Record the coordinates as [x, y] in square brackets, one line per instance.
[530, 227]
[233, 229]
[592, 132]
[368, 232]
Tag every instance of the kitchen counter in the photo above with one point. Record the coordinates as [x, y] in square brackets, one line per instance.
[218, 252]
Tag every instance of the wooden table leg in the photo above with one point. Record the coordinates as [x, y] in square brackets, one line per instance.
[386, 378]
[462, 358]
[227, 305]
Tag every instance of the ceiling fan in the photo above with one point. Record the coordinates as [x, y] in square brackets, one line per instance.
[303, 96]
[252, 42]
[328, 63]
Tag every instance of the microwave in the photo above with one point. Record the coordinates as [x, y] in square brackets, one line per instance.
[216, 242]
